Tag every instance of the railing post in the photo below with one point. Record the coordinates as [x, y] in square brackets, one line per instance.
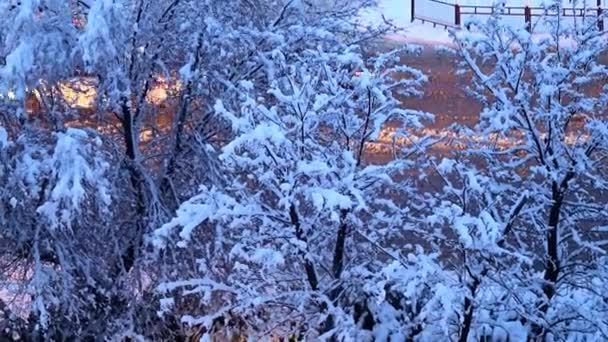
[457, 14]
[600, 19]
[528, 18]
[413, 12]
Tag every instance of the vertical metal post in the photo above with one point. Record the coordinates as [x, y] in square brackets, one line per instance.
[528, 18]
[600, 18]
[457, 14]
[413, 13]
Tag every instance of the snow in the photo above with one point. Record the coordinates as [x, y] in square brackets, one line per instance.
[267, 257]
[265, 132]
[96, 41]
[189, 216]
[166, 304]
[330, 199]
[399, 13]
[446, 166]
[314, 167]
[19, 64]
[72, 169]
[186, 71]
[3, 138]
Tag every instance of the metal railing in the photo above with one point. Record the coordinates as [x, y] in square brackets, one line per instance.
[526, 12]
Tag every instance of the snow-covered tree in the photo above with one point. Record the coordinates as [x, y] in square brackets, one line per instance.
[247, 167]
[297, 233]
[92, 182]
[523, 205]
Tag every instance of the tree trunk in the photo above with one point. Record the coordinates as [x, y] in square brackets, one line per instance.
[309, 267]
[178, 128]
[468, 311]
[552, 262]
[468, 307]
[338, 262]
[136, 179]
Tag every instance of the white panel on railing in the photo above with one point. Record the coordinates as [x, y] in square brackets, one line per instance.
[437, 11]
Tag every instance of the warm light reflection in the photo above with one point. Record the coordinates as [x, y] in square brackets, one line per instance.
[448, 140]
[161, 90]
[79, 93]
[146, 135]
[82, 92]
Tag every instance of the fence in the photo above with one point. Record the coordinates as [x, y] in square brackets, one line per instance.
[450, 15]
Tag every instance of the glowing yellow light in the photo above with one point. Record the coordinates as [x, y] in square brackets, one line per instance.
[162, 90]
[79, 93]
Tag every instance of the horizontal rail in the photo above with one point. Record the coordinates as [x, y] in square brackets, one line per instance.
[507, 8]
[520, 14]
[443, 2]
[435, 22]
